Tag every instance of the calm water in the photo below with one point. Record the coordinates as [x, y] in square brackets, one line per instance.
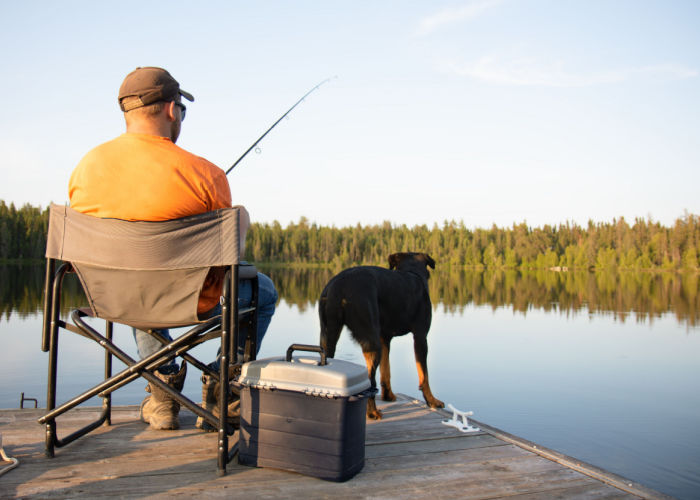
[604, 368]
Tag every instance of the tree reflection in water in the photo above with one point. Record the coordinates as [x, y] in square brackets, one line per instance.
[642, 295]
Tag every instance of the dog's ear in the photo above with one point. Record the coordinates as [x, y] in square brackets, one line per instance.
[429, 261]
[394, 260]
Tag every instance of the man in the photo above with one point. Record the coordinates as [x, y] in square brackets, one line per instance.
[142, 175]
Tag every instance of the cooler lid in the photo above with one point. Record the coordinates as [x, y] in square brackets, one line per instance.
[305, 374]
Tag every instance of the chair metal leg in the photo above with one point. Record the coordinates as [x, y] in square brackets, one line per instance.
[134, 370]
[48, 287]
[52, 340]
[52, 440]
[251, 321]
[191, 359]
[107, 398]
[230, 333]
[228, 309]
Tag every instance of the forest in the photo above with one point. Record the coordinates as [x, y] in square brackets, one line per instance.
[642, 244]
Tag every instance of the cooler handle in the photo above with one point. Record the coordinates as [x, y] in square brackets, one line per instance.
[367, 393]
[309, 348]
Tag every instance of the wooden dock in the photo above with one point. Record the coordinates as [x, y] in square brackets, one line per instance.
[409, 454]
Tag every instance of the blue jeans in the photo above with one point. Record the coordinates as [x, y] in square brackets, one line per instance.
[146, 344]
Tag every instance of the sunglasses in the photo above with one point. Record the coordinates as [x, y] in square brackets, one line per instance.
[183, 110]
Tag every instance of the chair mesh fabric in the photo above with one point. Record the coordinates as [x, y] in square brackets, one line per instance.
[144, 274]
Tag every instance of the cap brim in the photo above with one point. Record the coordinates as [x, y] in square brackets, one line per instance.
[187, 95]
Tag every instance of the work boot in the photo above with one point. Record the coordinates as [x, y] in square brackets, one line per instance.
[158, 409]
[210, 402]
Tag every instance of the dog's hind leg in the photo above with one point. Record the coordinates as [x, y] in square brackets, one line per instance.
[385, 369]
[372, 360]
[420, 347]
[361, 316]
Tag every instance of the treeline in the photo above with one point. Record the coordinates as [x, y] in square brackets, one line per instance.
[642, 245]
[22, 231]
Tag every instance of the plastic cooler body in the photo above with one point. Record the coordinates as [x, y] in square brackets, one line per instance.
[297, 420]
[312, 435]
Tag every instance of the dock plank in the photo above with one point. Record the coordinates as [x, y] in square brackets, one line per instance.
[409, 454]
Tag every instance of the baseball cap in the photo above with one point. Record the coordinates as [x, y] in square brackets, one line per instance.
[149, 84]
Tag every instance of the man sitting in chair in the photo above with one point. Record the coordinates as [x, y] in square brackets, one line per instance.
[142, 175]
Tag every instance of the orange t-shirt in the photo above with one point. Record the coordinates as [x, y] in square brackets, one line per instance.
[149, 178]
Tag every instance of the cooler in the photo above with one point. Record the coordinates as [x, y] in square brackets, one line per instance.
[304, 414]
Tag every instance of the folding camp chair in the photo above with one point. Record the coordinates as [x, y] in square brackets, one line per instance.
[147, 275]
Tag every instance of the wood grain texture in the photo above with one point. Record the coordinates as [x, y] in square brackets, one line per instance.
[409, 454]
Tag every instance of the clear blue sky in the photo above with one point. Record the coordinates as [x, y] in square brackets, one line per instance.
[485, 111]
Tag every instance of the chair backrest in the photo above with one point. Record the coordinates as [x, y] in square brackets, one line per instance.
[144, 274]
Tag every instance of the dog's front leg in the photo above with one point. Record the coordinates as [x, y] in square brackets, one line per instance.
[420, 347]
[372, 360]
[385, 369]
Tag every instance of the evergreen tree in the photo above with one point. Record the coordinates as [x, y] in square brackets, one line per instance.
[645, 245]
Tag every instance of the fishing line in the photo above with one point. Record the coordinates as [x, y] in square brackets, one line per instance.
[257, 150]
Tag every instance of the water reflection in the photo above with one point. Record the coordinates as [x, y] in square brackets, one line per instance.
[641, 295]
[572, 377]
[22, 288]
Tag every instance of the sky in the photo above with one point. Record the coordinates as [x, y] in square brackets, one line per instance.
[475, 111]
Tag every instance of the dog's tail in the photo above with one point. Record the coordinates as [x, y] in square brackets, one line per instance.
[322, 307]
[323, 316]
[330, 329]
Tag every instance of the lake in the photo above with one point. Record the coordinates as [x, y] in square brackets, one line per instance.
[601, 367]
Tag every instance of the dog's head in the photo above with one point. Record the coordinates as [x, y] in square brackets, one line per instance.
[412, 261]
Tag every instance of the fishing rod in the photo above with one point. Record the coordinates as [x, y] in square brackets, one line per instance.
[275, 124]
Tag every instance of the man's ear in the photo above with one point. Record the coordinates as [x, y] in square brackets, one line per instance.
[170, 111]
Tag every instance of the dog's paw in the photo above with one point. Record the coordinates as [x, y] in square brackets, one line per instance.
[372, 412]
[374, 415]
[436, 403]
[388, 396]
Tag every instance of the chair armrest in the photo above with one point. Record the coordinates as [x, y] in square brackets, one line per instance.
[247, 271]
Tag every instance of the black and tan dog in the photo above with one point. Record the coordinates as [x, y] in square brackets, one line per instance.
[378, 304]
